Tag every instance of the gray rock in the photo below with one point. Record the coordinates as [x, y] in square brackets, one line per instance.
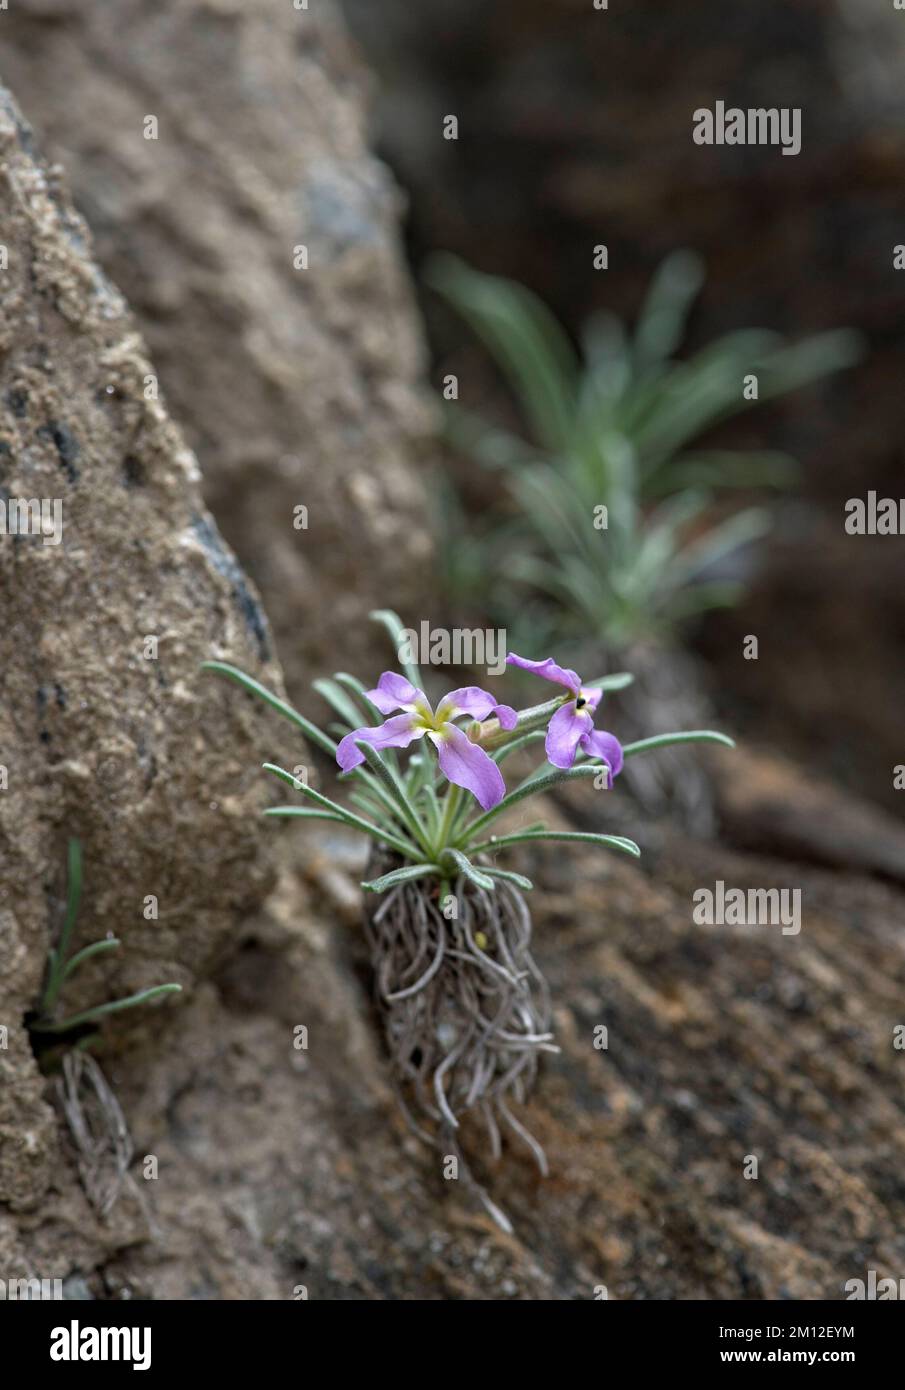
[108, 729]
[297, 388]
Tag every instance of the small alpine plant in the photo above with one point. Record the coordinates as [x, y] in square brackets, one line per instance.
[52, 1028]
[466, 1010]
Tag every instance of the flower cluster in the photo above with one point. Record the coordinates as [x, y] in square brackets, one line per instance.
[414, 808]
[467, 1015]
[466, 1011]
[462, 760]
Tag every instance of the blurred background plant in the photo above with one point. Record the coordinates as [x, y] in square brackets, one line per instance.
[612, 528]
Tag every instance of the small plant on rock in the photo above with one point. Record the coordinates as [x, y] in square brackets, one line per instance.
[466, 1010]
[60, 1041]
[50, 1025]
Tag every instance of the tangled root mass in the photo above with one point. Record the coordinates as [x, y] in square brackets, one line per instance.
[466, 1011]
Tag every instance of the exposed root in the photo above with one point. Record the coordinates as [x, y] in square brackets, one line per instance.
[466, 1013]
[100, 1133]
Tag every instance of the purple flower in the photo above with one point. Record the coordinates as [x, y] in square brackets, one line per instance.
[462, 761]
[572, 727]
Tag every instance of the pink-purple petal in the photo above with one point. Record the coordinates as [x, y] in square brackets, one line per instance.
[394, 692]
[466, 765]
[468, 699]
[547, 670]
[507, 716]
[480, 704]
[599, 744]
[395, 733]
[567, 727]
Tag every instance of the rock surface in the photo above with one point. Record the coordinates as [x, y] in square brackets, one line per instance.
[296, 388]
[109, 731]
[283, 1169]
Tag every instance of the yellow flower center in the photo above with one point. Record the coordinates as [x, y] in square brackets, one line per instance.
[427, 718]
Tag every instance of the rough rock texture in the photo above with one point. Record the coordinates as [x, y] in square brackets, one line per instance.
[281, 1168]
[297, 388]
[132, 750]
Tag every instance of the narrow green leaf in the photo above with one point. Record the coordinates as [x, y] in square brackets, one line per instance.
[406, 875]
[525, 339]
[56, 962]
[661, 323]
[101, 1010]
[393, 784]
[310, 730]
[619, 842]
[467, 869]
[724, 468]
[393, 624]
[645, 745]
[339, 702]
[716, 543]
[508, 876]
[530, 788]
[433, 809]
[373, 787]
[369, 804]
[360, 690]
[96, 949]
[74, 895]
[379, 833]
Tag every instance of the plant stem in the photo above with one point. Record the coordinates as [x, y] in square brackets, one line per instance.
[450, 807]
[491, 735]
[57, 965]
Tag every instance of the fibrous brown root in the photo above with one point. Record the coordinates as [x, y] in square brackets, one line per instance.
[99, 1131]
[466, 1011]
